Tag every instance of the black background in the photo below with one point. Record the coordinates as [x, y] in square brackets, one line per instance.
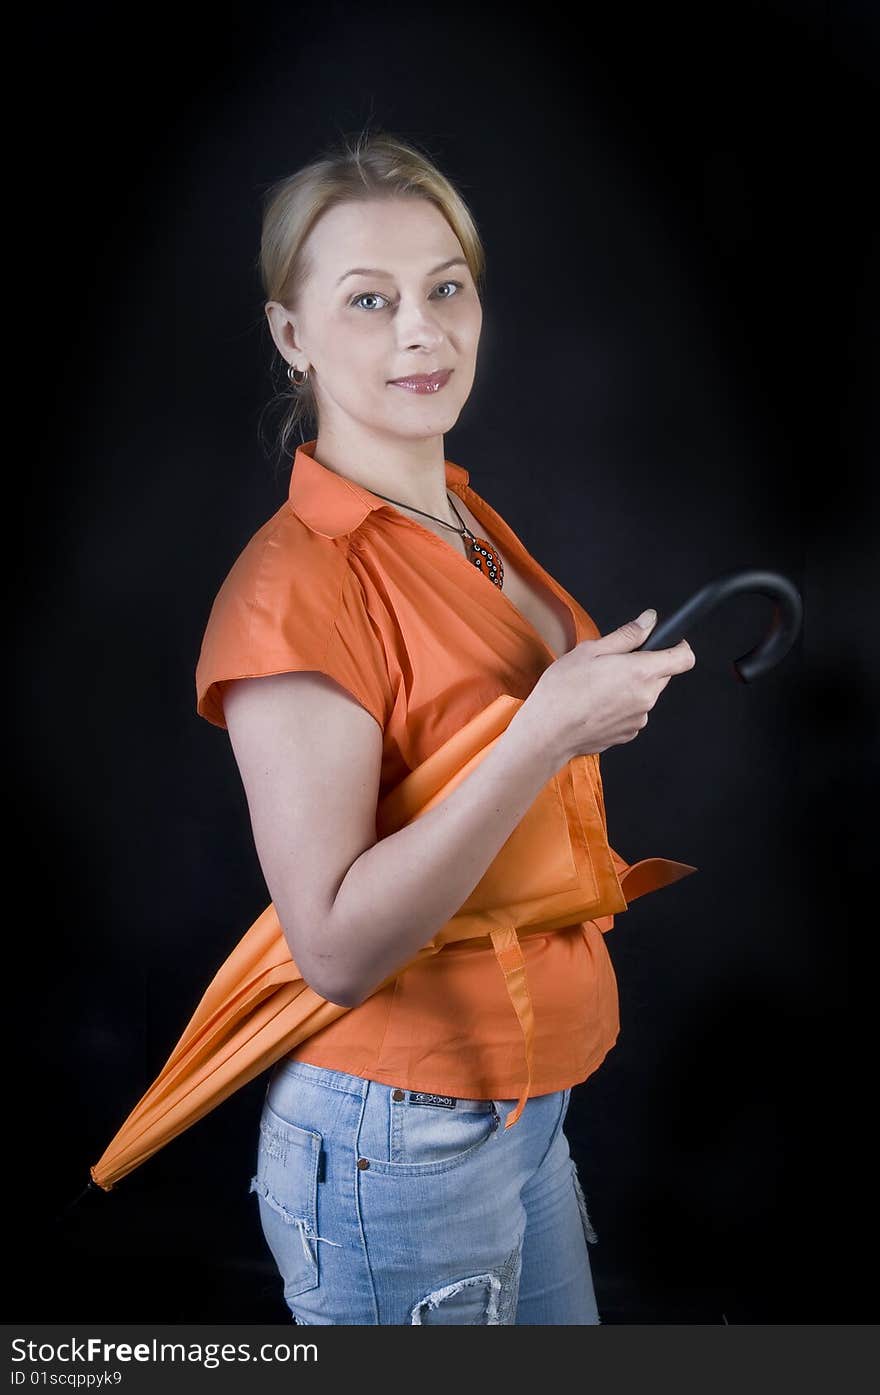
[675, 205]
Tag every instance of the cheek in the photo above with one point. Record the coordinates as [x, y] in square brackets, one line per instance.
[471, 325]
[360, 358]
[353, 352]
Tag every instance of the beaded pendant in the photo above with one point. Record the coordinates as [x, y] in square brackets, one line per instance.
[484, 557]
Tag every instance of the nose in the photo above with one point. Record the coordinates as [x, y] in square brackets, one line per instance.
[417, 326]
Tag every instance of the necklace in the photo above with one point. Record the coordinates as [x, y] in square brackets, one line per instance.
[480, 551]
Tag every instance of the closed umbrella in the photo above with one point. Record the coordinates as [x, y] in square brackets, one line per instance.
[555, 869]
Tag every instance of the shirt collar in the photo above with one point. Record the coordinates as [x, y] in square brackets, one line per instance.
[330, 504]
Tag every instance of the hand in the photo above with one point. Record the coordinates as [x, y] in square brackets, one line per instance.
[600, 693]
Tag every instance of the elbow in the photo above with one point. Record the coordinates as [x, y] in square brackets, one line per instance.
[343, 998]
[335, 989]
[326, 975]
[343, 994]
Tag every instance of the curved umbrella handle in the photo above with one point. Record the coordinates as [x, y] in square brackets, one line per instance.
[784, 627]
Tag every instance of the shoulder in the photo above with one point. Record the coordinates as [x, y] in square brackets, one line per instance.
[284, 554]
[292, 600]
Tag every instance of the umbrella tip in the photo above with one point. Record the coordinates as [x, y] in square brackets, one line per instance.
[91, 1186]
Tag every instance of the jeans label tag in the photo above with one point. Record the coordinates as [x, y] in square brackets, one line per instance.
[419, 1097]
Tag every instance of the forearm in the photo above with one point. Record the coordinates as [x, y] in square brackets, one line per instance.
[401, 891]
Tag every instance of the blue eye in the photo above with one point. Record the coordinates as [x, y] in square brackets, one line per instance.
[365, 295]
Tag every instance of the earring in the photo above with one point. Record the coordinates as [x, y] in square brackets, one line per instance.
[291, 373]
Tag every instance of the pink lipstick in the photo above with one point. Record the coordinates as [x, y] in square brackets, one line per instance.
[423, 382]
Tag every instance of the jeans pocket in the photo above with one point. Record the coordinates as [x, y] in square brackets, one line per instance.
[432, 1138]
[286, 1183]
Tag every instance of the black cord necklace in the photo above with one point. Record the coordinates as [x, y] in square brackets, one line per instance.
[480, 551]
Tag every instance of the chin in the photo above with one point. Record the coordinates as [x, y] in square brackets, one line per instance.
[431, 424]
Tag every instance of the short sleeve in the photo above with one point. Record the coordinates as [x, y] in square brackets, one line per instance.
[292, 603]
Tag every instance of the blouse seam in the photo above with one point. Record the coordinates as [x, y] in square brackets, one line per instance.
[334, 630]
[258, 581]
[351, 548]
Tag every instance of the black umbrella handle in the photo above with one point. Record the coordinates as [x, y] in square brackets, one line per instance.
[784, 627]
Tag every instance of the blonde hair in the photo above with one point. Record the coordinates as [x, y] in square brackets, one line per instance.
[373, 166]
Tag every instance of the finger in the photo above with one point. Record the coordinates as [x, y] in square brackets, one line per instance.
[678, 659]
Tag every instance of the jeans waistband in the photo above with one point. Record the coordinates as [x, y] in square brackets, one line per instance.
[358, 1085]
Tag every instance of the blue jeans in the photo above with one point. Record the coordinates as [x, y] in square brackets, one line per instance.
[384, 1206]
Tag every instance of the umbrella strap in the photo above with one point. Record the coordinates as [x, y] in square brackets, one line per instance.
[508, 952]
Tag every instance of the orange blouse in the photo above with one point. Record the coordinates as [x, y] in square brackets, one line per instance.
[340, 582]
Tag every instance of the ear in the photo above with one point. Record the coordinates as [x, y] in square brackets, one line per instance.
[282, 329]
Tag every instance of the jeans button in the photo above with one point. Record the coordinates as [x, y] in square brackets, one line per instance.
[363, 1162]
[397, 1095]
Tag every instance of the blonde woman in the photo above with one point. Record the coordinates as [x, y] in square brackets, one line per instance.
[380, 608]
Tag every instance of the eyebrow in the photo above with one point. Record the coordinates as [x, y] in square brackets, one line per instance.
[375, 271]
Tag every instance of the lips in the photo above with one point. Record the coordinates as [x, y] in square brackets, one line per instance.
[423, 382]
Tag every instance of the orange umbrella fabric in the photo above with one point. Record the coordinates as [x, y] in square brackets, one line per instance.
[555, 868]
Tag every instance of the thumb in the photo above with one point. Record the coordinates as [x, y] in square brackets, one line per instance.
[630, 635]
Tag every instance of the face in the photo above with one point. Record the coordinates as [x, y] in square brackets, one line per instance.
[410, 314]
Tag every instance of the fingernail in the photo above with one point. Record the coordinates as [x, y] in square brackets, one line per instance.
[647, 618]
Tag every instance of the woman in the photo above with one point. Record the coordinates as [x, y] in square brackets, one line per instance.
[379, 609]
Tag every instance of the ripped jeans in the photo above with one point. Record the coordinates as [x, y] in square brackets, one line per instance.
[385, 1206]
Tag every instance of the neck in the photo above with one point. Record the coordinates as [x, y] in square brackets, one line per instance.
[411, 472]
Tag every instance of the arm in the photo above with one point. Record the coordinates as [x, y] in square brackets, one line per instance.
[353, 908]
